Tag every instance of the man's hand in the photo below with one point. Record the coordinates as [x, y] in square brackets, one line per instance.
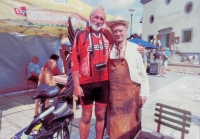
[143, 98]
[140, 49]
[78, 91]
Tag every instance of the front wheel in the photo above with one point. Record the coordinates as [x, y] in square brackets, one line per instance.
[62, 134]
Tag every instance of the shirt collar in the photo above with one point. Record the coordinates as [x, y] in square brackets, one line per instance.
[121, 46]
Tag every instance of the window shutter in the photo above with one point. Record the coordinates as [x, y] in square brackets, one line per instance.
[159, 36]
[171, 38]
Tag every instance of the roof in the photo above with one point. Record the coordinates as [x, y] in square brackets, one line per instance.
[145, 1]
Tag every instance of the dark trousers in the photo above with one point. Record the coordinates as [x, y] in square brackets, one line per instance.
[34, 79]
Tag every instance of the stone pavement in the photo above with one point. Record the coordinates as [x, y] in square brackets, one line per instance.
[179, 90]
[183, 93]
[184, 69]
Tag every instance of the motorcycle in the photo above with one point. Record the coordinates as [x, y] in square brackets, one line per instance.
[51, 122]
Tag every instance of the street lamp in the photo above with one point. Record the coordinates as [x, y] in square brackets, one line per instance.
[131, 12]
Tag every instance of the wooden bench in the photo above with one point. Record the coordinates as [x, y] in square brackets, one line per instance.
[168, 113]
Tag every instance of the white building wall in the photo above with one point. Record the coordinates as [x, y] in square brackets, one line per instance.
[173, 15]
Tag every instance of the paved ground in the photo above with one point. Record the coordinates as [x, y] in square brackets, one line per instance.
[180, 90]
[183, 93]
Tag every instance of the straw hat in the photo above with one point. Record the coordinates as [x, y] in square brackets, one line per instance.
[118, 20]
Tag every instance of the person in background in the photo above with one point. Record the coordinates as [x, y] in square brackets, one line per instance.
[172, 48]
[195, 60]
[190, 58]
[164, 57]
[56, 70]
[156, 42]
[183, 58]
[157, 58]
[167, 52]
[128, 82]
[149, 59]
[33, 69]
[46, 74]
[157, 55]
[176, 49]
[46, 77]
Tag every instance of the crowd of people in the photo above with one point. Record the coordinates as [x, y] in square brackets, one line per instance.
[192, 59]
[160, 57]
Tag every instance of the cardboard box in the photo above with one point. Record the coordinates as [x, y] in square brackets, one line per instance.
[150, 135]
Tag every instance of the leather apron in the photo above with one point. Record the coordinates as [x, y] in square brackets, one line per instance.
[123, 113]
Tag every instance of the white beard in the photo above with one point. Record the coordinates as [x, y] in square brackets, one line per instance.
[96, 27]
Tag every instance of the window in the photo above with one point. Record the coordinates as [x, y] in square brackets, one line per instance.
[167, 1]
[151, 19]
[187, 35]
[188, 7]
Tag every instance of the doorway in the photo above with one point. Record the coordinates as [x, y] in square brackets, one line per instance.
[150, 37]
[165, 39]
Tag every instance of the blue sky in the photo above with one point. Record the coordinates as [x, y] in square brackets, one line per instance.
[121, 7]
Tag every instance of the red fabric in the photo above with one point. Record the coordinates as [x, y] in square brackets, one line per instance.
[100, 104]
[87, 76]
[56, 71]
[108, 35]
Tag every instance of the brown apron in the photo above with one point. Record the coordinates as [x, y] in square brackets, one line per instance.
[123, 115]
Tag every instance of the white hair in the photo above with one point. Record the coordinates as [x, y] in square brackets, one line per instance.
[98, 8]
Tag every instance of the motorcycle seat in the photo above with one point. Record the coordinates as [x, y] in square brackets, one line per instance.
[45, 91]
[61, 113]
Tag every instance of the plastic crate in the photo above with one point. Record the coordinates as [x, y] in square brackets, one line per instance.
[150, 135]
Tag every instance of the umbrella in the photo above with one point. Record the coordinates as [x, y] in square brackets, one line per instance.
[143, 43]
[15, 16]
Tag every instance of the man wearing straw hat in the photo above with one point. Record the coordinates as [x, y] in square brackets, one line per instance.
[128, 83]
[90, 72]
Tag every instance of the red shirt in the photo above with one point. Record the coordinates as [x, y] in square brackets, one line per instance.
[85, 66]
